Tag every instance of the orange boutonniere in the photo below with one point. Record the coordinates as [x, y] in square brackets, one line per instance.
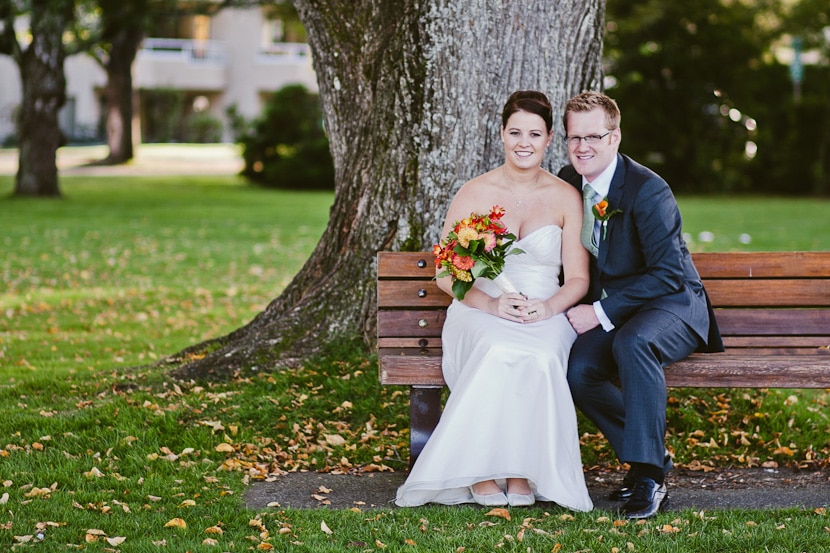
[601, 213]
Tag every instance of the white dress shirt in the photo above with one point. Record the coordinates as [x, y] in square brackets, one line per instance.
[602, 184]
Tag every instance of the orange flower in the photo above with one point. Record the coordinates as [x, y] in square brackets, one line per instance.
[601, 213]
[601, 208]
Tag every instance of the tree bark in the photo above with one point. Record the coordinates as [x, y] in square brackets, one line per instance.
[118, 92]
[44, 93]
[412, 92]
[124, 24]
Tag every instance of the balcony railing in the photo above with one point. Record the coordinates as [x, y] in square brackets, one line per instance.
[285, 52]
[183, 50]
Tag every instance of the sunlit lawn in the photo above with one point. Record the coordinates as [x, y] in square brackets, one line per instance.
[100, 451]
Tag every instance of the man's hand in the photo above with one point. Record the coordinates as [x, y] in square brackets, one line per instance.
[583, 318]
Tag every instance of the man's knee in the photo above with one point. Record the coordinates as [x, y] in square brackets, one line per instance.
[576, 378]
[631, 346]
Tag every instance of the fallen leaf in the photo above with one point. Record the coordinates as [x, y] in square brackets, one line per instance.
[499, 512]
[94, 472]
[214, 530]
[224, 448]
[325, 528]
[335, 439]
[116, 540]
[187, 503]
[93, 534]
[39, 492]
[175, 523]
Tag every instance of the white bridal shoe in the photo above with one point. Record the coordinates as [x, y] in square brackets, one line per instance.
[521, 499]
[490, 499]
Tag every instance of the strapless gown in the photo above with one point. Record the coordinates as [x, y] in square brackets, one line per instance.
[509, 412]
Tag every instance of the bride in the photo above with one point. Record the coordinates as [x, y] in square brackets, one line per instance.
[508, 432]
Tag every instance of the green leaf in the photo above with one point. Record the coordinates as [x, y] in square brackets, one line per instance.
[460, 288]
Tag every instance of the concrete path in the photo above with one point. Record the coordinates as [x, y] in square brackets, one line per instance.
[728, 489]
[150, 159]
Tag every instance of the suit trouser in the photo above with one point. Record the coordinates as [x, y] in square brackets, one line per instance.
[632, 417]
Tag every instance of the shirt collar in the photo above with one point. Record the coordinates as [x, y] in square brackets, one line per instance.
[602, 184]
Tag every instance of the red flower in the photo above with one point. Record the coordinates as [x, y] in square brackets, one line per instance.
[463, 262]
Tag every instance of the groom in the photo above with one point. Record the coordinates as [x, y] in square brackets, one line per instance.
[648, 307]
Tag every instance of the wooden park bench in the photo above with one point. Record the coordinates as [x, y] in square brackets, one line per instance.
[773, 309]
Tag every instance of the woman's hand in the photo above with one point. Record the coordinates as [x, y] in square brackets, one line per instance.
[509, 306]
[535, 310]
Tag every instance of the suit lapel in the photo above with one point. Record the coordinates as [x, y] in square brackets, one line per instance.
[615, 194]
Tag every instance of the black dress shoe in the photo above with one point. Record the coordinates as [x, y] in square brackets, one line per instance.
[623, 493]
[647, 498]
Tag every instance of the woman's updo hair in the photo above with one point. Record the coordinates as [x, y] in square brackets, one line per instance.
[531, 101]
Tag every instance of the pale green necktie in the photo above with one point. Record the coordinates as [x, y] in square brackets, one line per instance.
[588, 234]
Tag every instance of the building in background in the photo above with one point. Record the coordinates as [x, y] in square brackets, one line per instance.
[203, 66]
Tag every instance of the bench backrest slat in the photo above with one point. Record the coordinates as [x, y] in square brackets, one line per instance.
[763, 264]
[765, 302]
[755, 292]
[772, 322]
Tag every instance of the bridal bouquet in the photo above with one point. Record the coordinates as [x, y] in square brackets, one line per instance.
[476, 247]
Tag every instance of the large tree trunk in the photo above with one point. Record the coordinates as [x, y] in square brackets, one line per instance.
[412, 92]
[44, 93]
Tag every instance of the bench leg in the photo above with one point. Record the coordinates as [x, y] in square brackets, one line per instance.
[424, 412]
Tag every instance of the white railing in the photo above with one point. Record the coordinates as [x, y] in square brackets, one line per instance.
[285, 52]
[195, 51]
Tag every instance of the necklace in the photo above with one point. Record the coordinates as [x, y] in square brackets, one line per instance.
[513, 184]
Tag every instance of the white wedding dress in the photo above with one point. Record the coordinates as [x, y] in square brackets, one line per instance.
[510, 412]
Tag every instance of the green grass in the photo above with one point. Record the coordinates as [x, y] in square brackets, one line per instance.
[95, 442]
[769, 224]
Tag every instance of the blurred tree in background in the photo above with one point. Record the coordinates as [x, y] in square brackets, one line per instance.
[706, 102]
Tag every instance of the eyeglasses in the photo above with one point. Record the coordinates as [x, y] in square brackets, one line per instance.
[590, 139]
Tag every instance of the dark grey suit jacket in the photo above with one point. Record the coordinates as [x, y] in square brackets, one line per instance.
[643, 262]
